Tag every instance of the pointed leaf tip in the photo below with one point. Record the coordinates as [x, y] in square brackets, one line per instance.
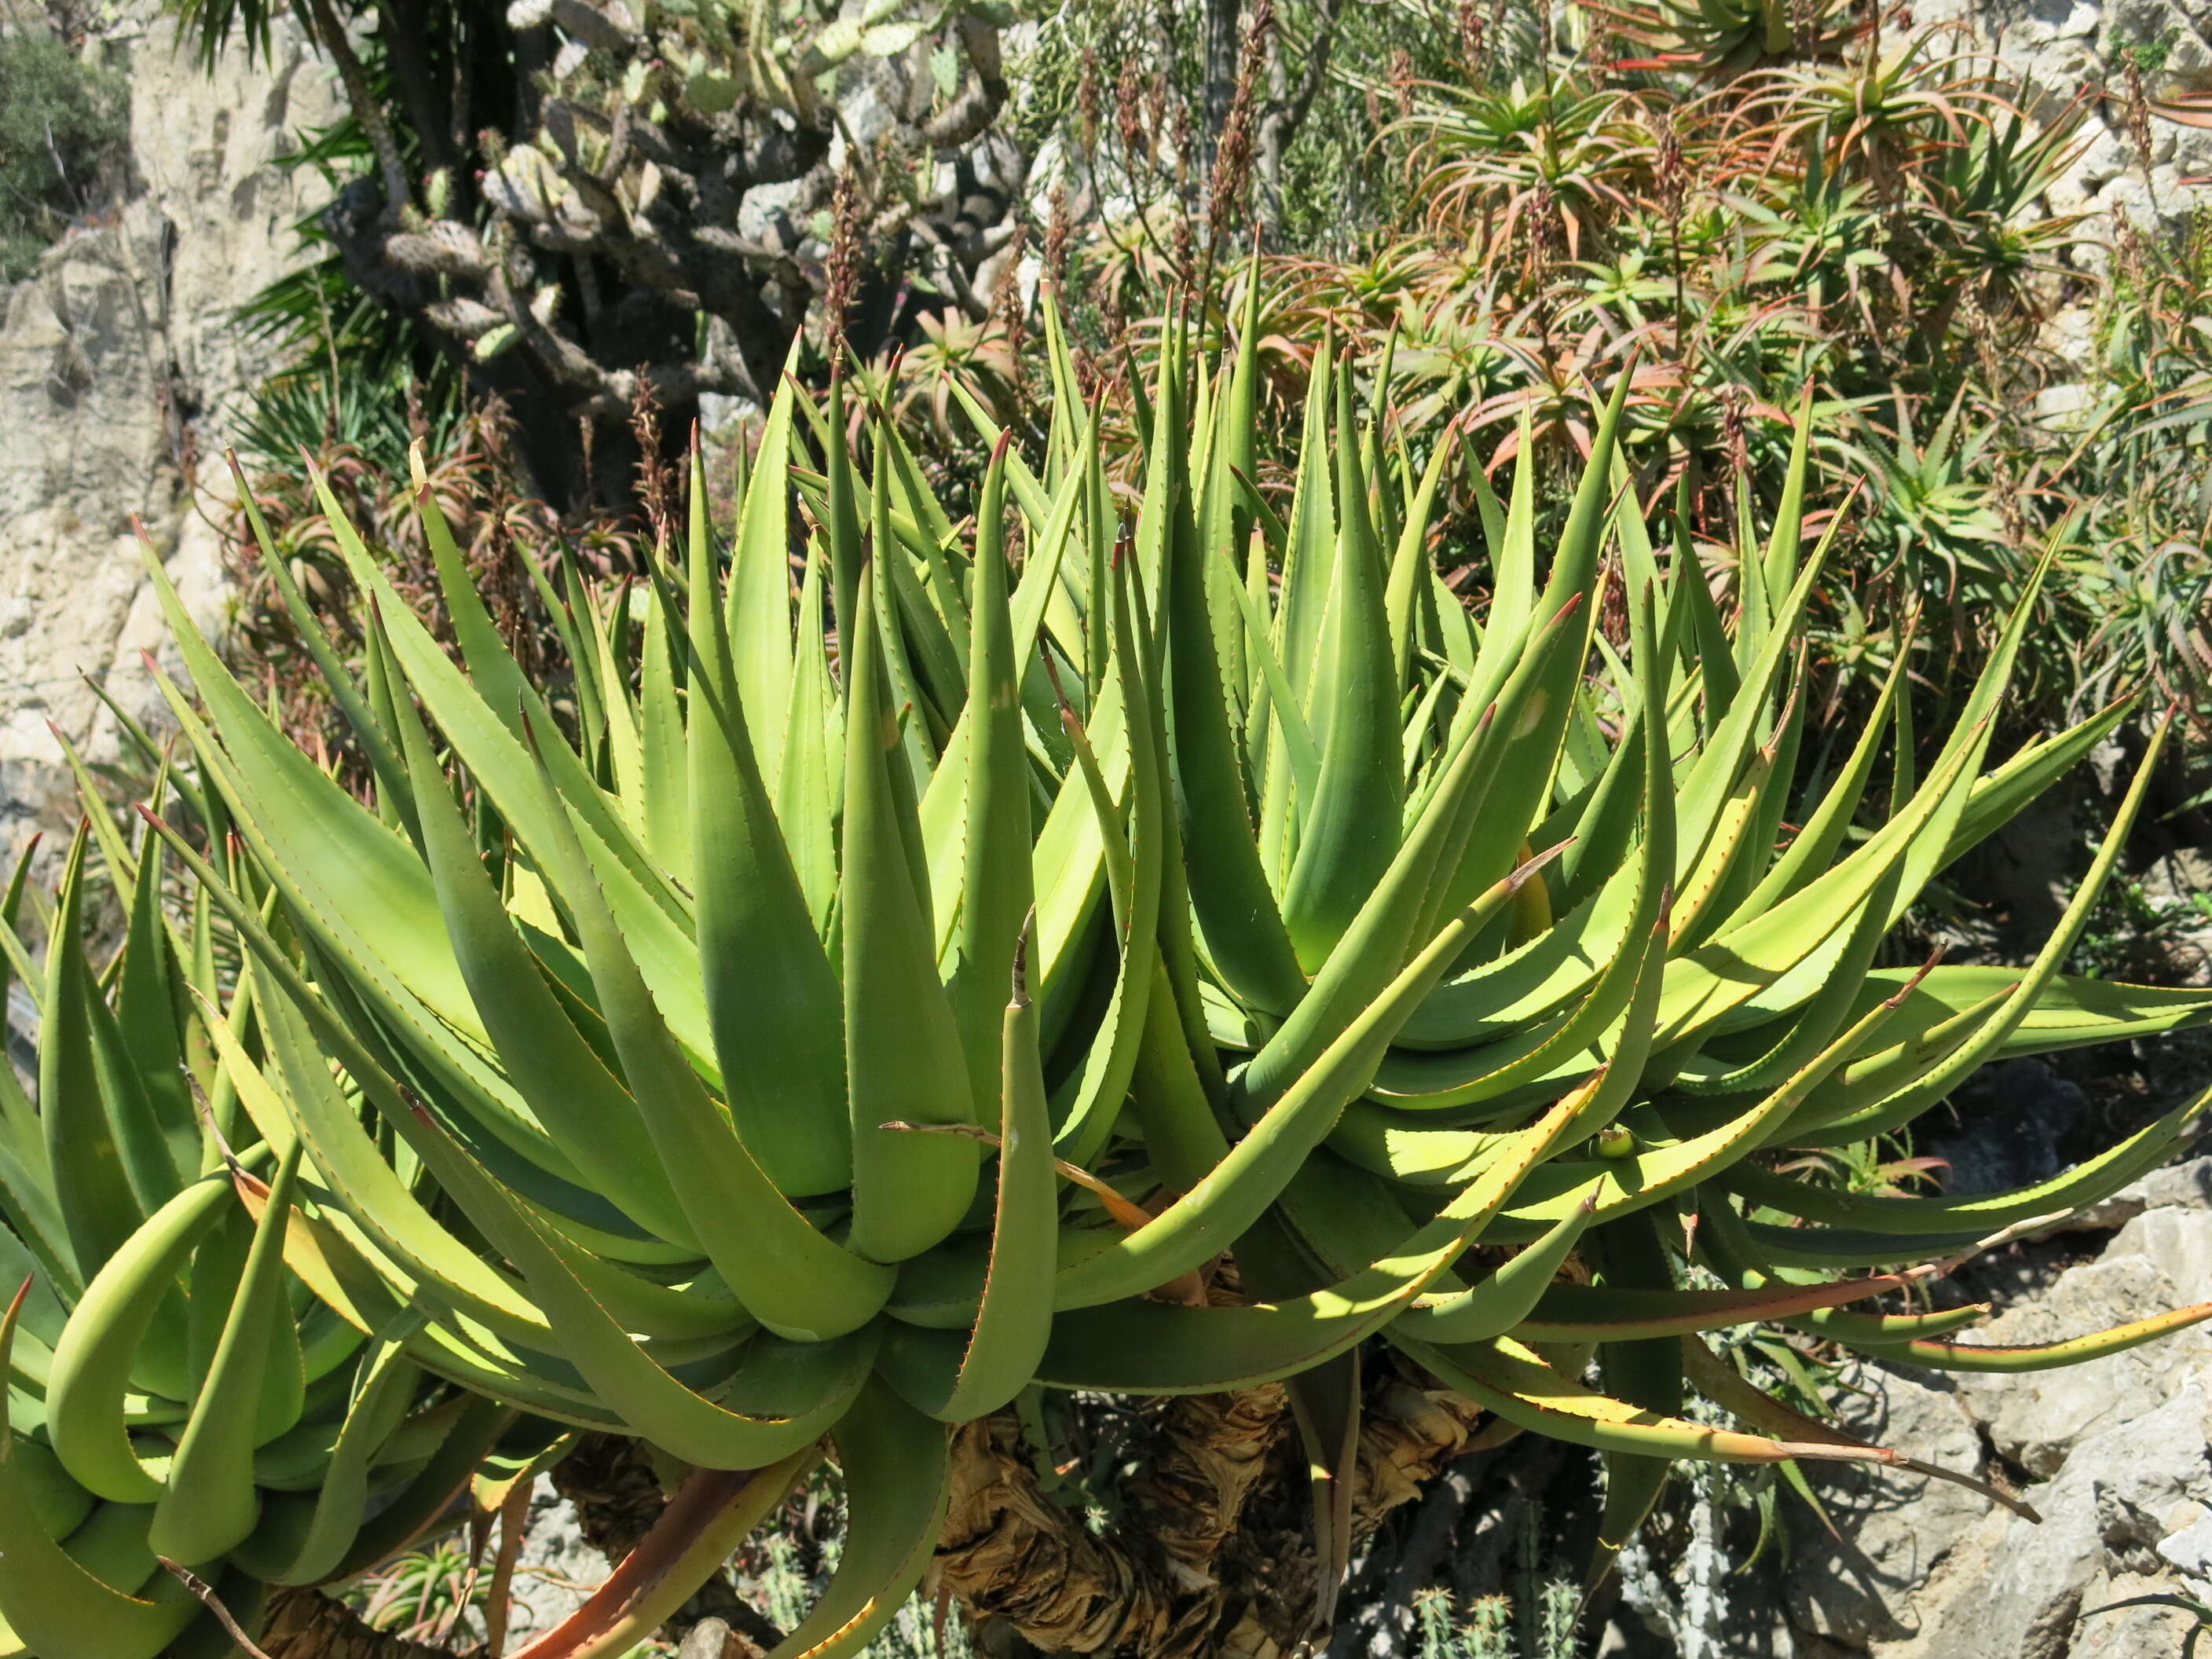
[1528, 871]
[1935, 957]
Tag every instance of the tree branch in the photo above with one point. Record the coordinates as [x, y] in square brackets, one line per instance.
[1287, 110]
[1222, 41]
[365, 109]
[404, 28]
[980, 98]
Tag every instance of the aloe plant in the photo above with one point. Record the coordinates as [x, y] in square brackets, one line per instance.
[1598, 1056]
[1156, 966]
[173, 1393]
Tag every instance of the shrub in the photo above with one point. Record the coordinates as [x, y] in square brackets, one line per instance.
[63, 122]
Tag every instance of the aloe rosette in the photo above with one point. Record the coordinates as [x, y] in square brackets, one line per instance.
[1644, 986]
[779, 1038]
[174, 1392]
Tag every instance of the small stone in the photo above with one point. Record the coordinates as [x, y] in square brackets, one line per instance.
[2062, 404]
[2185, 1186]
[2190, 1549]
[2176, 1241]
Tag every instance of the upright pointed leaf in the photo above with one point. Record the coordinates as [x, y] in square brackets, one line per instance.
[904, 1062]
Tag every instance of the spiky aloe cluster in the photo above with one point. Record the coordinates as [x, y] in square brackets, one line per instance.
[174, 1395]
[648, 1057]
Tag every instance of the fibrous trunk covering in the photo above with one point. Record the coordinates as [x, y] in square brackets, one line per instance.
[306, 1624]
[1211, 1558]
[617, 1493]
[1212, 1554]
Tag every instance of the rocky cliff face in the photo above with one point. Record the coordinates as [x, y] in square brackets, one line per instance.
[2063, 49]
[2112, 1453]
[119, 365]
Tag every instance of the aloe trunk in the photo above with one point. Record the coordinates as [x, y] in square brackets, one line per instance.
[309, 1624]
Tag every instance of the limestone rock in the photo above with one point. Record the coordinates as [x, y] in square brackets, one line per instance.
[2190, 1549]
[556, 1569]
[2114, 1453]
[2178, 1241]
[1895, 1527]
[2035, 1419]
[2018, 1589]
[2187, 1184]
[2119, 1620]
[122, 367]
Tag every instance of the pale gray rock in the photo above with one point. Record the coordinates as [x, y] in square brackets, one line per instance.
[2189, 1549]
[2113, 1453]
[2178, 1241]
[2117, 1622]
[1896, 1527]
[2034, 1418]
[2186, 1185]
[2065, 407]
[556, 1570]
[2180, 27]
[2015, 1589]
[121, 366]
